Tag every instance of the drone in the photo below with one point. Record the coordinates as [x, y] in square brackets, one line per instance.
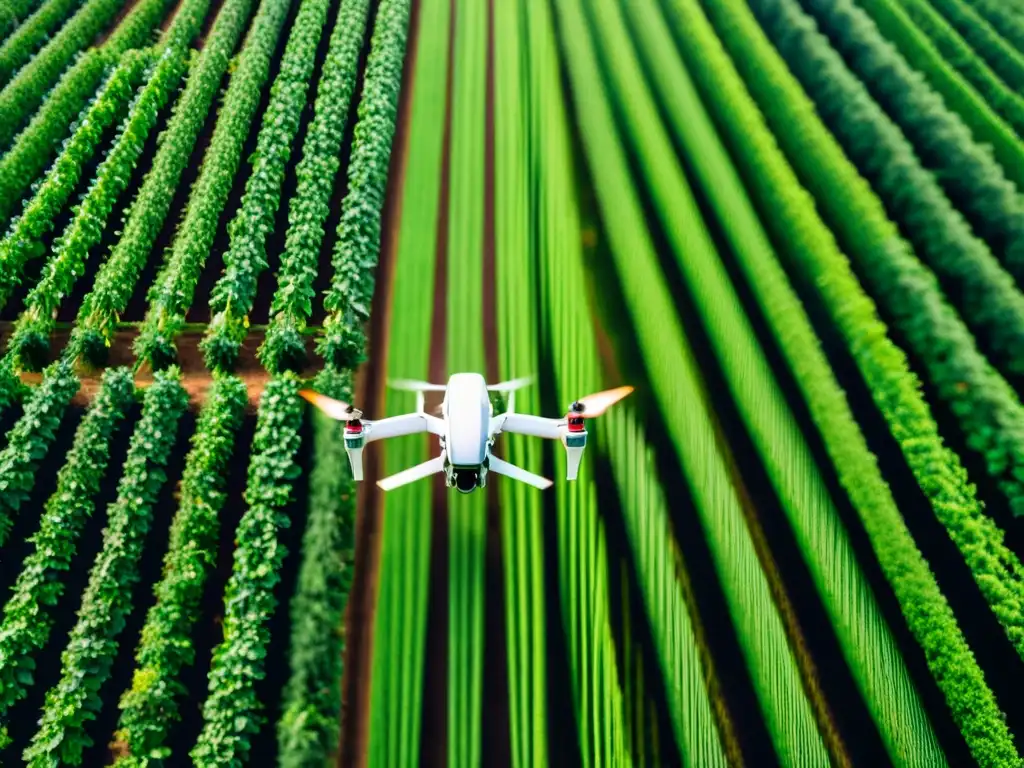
[466, 430]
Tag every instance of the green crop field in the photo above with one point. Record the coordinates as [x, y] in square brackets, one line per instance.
[796, 227]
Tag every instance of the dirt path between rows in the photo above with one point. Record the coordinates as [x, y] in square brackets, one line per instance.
[369, 391]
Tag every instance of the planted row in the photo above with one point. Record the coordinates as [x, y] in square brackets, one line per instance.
[1005, 60]
[14, 12]
[30, 36]
[1000, 85]
[172, 292]
[115, 282]
[989, 412]
[1005, 18]
[978, 185]
[30, 340]
[307, 732]
[92, 646]
[232, 711]
[235, 291]
[28, 613]
[355, 253]
[284, 348]
[153, 703]
[29, 440]
[23, 241]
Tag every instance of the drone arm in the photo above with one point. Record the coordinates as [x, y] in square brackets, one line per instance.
[524, 424]
[407, 424]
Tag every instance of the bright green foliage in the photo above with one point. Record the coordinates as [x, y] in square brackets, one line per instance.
[1005, 60]
[40, 142]
[811, 252]
[307, 733]
[172, 292]
[355, 254]
[1006, 20]
[30, 341]
[231, 713]
[283, 347]
[86, 661]
[520, 105]
[955, 91]
[116, 279]
[400, 625]
[677, 391]
[26, 616]
[13, 12]
[974, 181]
[988, 410]
[187, 22]
[152, 704]
[958, 54]
[988, 299]
[653, 544]
[865, 639]
[30, 36]
[22, 96]
[246, 258]
[22, 242]
[29, 440]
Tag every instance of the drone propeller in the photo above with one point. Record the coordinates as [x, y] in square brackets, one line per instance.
[416, 386]
[594, 405]
[336, 409]
[510, 386]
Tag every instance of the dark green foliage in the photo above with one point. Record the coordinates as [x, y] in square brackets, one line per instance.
[92, 646]
[11, 388]
[1007, 20]
[1004, 59]
[985, 293]
[1000, 83]
[284, 347]
[307, 732]
[26, 618]
[151, 705]
[355, 255]
[30, 36]
[30, 341]
[22, 96]
[23, 241]
[232, 711]
[37, 145]
[30, 439]
[172, 292]
[975, 182]
[247, 256]
[115, 282]
[14, 12]
[988, 410]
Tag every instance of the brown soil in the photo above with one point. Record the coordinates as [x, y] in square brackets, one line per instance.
[369, 392]
[195, 377]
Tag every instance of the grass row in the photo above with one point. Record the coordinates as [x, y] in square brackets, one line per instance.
[32, 35]
[987, 43]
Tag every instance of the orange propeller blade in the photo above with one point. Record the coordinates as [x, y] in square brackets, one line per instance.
[598, 403]
[336, 409]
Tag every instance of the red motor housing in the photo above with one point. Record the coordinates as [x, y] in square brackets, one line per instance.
[576, 424]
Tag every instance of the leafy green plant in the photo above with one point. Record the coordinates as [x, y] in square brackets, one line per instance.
[307, 732]
[30, 340]
[14, 12]
[23, 240]
[92, 646]
[27, 619]
[986, 407]
[994, 83]
[355, 254]
[29, 440]
[30, 36]
[1004, 18]
[231, 713]
[116, 279]
[235, 291]
[284, 347]
[979, 186]
[172, 292]
[989, 45]
[150, 707]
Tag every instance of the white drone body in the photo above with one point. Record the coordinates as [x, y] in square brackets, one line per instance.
[466, 430]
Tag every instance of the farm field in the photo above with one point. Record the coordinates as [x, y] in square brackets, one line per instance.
[796, 227]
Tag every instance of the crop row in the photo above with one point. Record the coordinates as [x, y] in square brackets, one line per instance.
[92, 645]
[30, 340]
[811, 253]
[115, 282]
[30, 36]
[14, 13]
[246, 258]
[987, 43]
[283, 347]
[172, 292]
